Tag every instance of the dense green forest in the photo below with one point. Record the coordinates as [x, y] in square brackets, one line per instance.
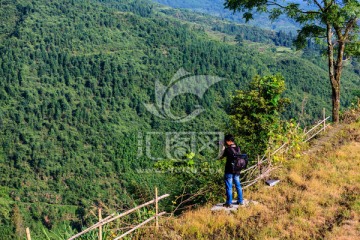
[74, 77]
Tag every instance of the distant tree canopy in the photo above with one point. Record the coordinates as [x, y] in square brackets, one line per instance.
[335, 21]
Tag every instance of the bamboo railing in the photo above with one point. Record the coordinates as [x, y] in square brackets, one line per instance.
[264, 165]
[112, 217]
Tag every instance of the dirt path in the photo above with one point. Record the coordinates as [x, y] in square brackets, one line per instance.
[325, 139]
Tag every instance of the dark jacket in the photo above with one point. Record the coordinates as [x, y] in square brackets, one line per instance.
[228, 153]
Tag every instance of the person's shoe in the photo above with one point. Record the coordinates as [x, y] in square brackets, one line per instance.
[240, 203]
[227, 205]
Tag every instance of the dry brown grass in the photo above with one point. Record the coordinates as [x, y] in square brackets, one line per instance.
[318, 198]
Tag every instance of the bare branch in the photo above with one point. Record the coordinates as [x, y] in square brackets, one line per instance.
[328, 6]
[319, 5]
[339, 33]
[349, 26]
[190, 198]
[275, 4]
[285, 7]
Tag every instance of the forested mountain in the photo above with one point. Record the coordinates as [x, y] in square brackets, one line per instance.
[74, 77]
[216, 8]
[229, 28]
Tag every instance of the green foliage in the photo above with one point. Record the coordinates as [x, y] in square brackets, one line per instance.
[290, 134]
[306, 32]
[65, 231]
[255, 113]
[198, 180]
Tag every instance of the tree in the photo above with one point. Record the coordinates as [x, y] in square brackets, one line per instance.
[335, 20]
[17, 221]
[255, 114]
[239, 39]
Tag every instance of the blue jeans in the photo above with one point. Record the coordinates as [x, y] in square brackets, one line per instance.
[229, 178]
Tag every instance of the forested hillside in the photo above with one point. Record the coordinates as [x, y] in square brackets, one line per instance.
[74, 77]
[216, 8]
[247, 32]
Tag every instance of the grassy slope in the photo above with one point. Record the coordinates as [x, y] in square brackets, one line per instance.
[318, 197]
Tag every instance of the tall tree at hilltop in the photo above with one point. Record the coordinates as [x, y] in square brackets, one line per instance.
[335, 21]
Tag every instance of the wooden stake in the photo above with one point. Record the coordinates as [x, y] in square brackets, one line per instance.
[324, 116]
[28, 237]
[100, 227]
[156, 208]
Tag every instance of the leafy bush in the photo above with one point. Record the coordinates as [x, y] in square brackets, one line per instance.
[255, 113]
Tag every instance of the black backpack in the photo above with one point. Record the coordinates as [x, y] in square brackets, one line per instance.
[239, 161]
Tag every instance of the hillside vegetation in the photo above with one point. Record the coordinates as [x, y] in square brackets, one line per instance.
[318, 197]
[216, 8]
[74, 77]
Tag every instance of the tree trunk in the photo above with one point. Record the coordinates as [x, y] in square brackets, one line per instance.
[335, 69]
[339, 63]
[335, 101]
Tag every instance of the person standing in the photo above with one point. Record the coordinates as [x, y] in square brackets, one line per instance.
[230, 175]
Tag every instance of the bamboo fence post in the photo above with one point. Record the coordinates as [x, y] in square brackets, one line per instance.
[28, 236]
[324, 115]
[156, 208]
[100, 227]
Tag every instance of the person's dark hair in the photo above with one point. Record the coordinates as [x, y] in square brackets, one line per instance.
[229, 137]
